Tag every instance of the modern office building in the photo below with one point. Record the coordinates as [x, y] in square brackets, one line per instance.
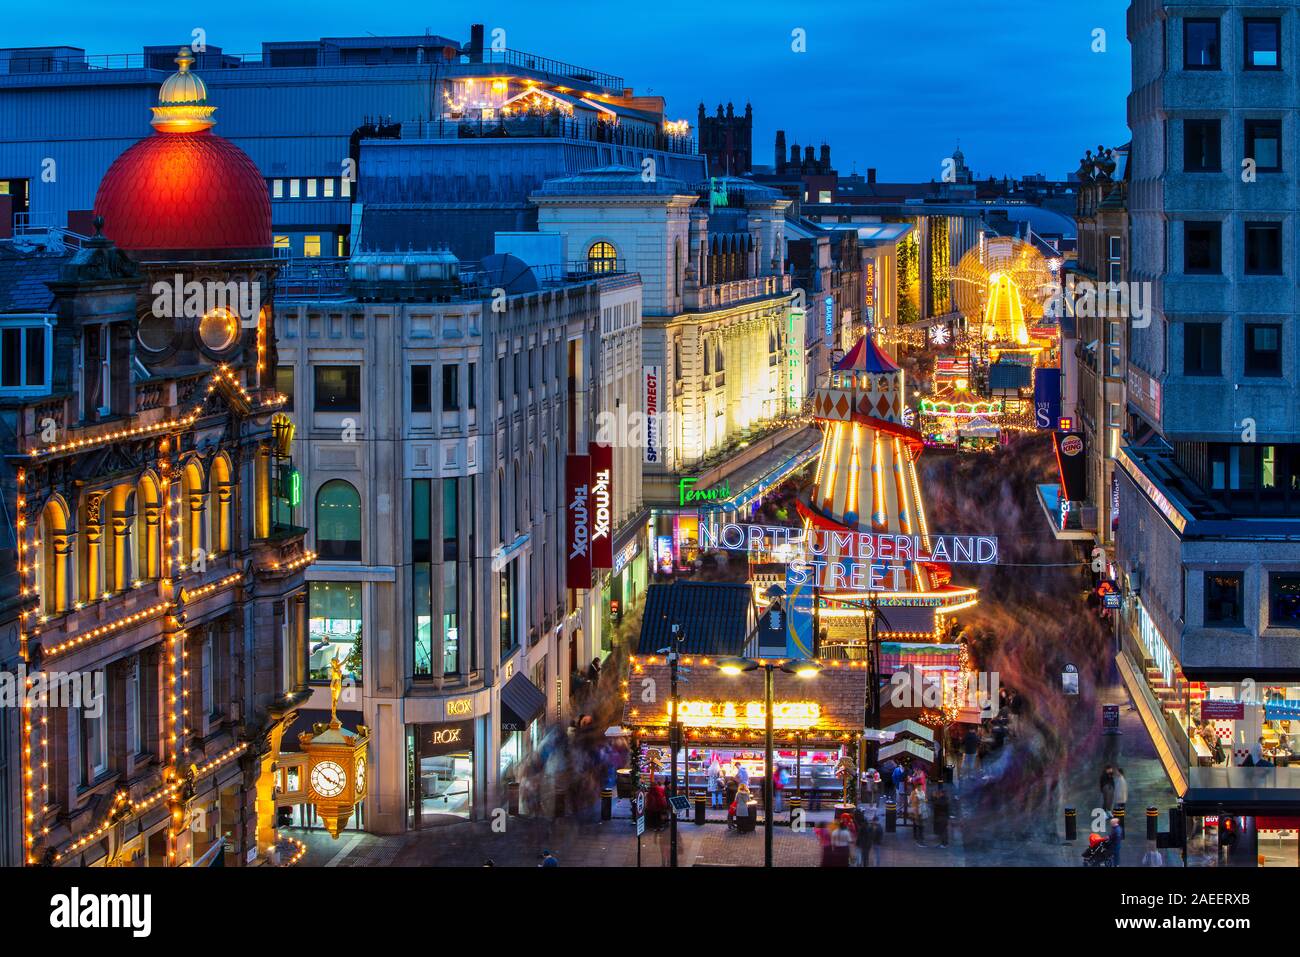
[159, 618]
[1209, 472]
[436, 419]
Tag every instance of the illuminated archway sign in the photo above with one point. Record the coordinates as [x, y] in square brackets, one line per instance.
[786, 715]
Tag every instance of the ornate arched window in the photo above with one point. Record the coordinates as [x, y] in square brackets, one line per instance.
[148, 528]
[338, 522]
[121, 551]
[54, 564]
[602, 257]
[221, 506]
[191, 512]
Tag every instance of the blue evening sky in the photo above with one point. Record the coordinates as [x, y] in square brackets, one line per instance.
[888, 83]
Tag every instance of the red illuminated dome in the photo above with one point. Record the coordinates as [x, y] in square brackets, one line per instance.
[185, 190]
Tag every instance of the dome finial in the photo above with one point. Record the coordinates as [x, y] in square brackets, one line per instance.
[183, 100]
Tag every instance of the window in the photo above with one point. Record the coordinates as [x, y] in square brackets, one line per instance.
[334, 628]
[284, 385]
[1263, 38]
[94, 745]
[1201, 248]
[281, 242]
[473, 366]
[23, 357]
[338, 388]
[327, 187]
[209, 696]
[295, 189]
[345, 187]
[1223, 599]
[450, 577]
[450, 387]
[277, 189]
[501, 378]
[421, 568]
[139, 712]
[1264, 249]
[1114, 247]
[338, 522]
[1263, 348]
[602, 257]
[1201, 140]
[422, 388]
[1201, 348]
[311, 246]
[1264, 144]
[311, 189]
[1284, 600]
[1200, 44]
[507, 585]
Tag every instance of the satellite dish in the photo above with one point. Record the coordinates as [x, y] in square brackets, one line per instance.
[501, 270]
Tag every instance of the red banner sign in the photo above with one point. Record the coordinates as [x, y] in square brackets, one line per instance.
[602, 506]
[577, 521]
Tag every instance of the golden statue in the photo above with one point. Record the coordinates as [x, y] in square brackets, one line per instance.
[336, 690]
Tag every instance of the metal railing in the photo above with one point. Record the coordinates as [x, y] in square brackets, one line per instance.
[37, 61]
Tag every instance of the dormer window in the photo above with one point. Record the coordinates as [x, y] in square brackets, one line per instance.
[26, 355]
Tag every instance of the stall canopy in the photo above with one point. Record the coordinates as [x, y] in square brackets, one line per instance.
[715, 708]
[522, 702]
[715, 617]
[914, 748]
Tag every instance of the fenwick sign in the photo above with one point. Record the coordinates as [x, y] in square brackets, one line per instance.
[861, 560]
[688, 493]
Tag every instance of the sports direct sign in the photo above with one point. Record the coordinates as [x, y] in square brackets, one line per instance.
[653, 403]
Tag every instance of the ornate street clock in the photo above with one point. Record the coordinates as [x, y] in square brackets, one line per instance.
[336, 762]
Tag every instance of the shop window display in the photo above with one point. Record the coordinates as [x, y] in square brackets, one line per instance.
[334, 627]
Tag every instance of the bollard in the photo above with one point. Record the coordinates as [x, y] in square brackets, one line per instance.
[1153, 822]
[1119, 816]
[512, 797]
[795, 804]
[606, 804]
[891, 816]
[700, 811]
[1071, 824]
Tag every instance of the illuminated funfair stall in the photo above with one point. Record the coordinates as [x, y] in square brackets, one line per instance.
[1000, 287]
[878, 574]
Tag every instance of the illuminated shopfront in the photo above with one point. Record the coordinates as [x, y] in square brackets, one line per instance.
[334, 626]
[440, 773]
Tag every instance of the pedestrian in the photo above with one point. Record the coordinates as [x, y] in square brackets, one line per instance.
[549, 860]
[779, 779]
[742, 775]
[916, 807]
[900, 786]
[1153, 857]
[940, 812]
[593, 672]
[1107, 786]
[843, 840]
[729, 798]
[717, 783]
[869, 781]
[970, 747]
[1116, 838]
[1121, 789]
[863, 856]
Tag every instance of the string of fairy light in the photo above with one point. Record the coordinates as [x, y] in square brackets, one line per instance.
[34, 807]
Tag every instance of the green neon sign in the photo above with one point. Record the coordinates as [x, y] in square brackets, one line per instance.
[291, 487]
[688, 493]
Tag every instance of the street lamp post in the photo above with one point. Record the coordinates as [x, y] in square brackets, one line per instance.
[804, 669]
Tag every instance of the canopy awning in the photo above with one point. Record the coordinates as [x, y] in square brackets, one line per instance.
[522, 703]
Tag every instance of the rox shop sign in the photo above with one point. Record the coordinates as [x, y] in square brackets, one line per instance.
[589, 514]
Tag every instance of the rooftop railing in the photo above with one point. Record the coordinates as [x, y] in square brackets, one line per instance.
[37, 62]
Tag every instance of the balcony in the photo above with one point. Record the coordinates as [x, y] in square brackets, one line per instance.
[723, 294]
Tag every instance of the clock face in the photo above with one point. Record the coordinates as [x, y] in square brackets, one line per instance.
[328, 779]
[361, 776]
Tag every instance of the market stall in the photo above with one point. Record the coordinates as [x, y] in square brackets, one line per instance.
[815, 721]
